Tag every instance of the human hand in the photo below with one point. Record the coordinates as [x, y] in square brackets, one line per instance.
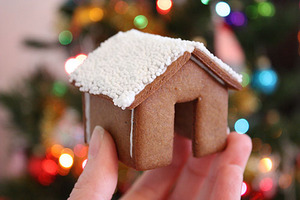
[217, 176]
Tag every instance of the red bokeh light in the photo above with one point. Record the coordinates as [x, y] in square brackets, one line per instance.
[49, 166]
[266, 184]
[164, 6]
[45, 179]
[80, 150]
[35, 166]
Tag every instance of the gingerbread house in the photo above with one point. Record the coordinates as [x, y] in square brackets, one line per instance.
[141, 87]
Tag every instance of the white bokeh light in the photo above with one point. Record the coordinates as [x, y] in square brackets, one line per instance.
[222, 9]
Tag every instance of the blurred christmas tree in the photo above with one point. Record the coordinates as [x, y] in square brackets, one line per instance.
[259, 38]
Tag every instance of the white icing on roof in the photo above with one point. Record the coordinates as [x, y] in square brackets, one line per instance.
[124, 64]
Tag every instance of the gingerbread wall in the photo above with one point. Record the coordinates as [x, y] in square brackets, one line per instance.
[153, 137]
[116, 121]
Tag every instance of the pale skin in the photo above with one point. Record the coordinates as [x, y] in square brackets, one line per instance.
[218, 176]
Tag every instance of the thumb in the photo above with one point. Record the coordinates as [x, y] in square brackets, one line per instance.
[99, 177]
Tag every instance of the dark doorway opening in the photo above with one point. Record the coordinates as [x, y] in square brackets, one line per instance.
[185, 118]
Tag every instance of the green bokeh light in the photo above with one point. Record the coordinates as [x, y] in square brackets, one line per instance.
[65, 37]
[252, 12]
[140, 21]
[59, 89]
[205, 2]
[266, 9]
[246, 79]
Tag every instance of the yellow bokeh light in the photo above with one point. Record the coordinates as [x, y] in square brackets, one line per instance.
[66, 160]
[81, 16]
[265, 165]
[81, 57]
[56, 150]
[164, 4]
[96, 14]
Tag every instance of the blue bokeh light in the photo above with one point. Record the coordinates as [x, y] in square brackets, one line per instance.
[241, 126]
[265, 80]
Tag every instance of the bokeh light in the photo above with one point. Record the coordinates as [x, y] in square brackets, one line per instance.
[265, 150]
[222, 9]
[265, 80]
[256, 144]
[265, 165]
[45, 179]
[241, 126]
[244, 188]
[121, 7]
[81, 57]
[96, 14]
[266, 9]
[80, 150]
[164, 6]
[285, 181]
[246, 79]
[84, 163]
[65, 37]
[66, 160]
[72, 63]
[140, 21]
[266, 184]
[236, 18]
[56, 150]
[59, 88]
[49, 166]
[205, 2]
[252, 12]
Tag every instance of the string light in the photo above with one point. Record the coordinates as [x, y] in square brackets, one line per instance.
[56, 150]
[237, 19]
[81, 57]
[65, 37]
[244, 188]
[266, 9]
[246, 79]
[96, 14]
[241, 126]
[265, 80]
[140, 21]
[84, 163]
[49, 166]
[164, 6]
[285, 181]
[205, 2]
[252, 12]
[222, 9]
[121, 7]
[72, 63]
[265, 165]
[66, 160]
[266, 184]
[80, 150]
[59, 89]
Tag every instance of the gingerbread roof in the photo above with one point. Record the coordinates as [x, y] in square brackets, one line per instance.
[123, 66]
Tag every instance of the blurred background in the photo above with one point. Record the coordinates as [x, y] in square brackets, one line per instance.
[42, 151]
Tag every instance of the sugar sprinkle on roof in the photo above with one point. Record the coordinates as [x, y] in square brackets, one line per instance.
[126, 63]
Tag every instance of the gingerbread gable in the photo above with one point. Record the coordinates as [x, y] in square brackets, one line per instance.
[130, 66]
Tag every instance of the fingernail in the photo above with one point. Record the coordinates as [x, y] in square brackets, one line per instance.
[95, 142]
